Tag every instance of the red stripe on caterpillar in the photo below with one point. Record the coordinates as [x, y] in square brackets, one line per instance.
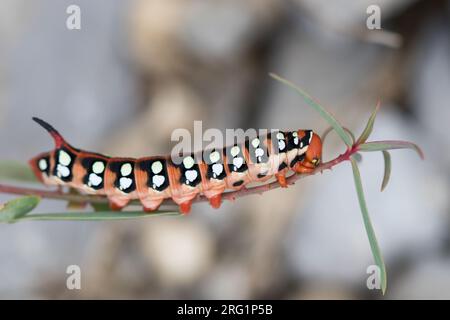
[154, 179]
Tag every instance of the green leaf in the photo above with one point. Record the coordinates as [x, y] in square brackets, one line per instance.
[350, 134]
[326, 133]
[16, 171]
[369, 126]
[323, 113]
[387, 169]
[98, 216]
[368, 225]
[389, 145]
[18, 208]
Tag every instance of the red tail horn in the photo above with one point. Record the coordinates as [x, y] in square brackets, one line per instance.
[59, 140]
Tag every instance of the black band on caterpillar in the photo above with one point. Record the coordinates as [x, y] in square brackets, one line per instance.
[153, 179]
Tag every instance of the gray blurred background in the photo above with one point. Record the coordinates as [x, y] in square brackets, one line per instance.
[139, 69]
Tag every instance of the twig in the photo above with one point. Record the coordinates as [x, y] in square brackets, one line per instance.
[231, 195]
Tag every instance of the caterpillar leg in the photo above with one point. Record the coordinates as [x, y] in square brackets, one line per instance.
[150, 209]
[118, 204]
[298, 168]
[215, 201]
[281, 178]
[151, 205]
[185, 207]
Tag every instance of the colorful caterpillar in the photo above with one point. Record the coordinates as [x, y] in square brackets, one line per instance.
[153, 179]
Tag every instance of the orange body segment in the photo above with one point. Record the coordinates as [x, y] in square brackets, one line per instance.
[154, 179]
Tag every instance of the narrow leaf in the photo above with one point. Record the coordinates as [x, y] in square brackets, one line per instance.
[387, 169]
[326, 133]
[369, 126]
[368, 225]
[323, 113]
[390, 144]
[16, 171]
[350, 134]
[98, 216]
[16, 209]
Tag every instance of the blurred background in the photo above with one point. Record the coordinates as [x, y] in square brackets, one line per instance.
[137, 70]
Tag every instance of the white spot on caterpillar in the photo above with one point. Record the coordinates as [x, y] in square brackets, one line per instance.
[259, 152]
[157, 167]
[217, 169]
[98, 167]
[158, 181]
[280, 136]
[235, 151]
[125, 183]
[214, 156]
[94, 180]
[190, 175]
[281, 145]
[43, 164]
[310, 137]
[188, 162]
[255, 143]
[238, 162]
[126, 170]
[62, 171]
[64, 158]
[295, 135]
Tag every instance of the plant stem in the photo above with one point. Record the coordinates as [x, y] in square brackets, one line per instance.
[231, 195]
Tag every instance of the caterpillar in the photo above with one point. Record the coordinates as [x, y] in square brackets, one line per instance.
[154, 179]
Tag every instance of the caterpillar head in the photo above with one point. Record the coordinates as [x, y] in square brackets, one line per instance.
[313, 154]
